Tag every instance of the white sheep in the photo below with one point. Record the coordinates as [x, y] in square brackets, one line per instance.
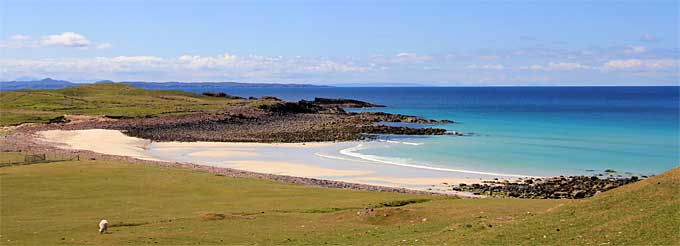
[103, 225]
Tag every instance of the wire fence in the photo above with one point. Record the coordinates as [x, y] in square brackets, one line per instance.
[23, 158]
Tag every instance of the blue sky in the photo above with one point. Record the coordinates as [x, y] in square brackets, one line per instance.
[325, 42]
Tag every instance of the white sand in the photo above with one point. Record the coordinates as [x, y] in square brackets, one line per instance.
[389, 181]
[222, 153]
[113, 142]
[232, 145]
[108, 142]
[293, 169]
[248, 157]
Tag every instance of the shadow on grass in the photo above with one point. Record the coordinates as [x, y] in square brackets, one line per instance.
[123, 224]
[400, 203]
[397, 203]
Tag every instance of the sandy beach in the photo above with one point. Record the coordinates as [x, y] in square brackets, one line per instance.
[100, 141]
[310, 160]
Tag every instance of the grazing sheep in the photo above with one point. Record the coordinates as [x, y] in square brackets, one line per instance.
[103, 225]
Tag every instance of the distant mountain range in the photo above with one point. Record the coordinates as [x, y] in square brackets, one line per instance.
[49, 83]
[209, 85]
[46, 83]
[382, 84]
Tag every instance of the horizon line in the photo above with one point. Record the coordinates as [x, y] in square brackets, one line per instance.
[357, 84]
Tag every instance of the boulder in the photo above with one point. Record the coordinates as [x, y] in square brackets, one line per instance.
[577, 194]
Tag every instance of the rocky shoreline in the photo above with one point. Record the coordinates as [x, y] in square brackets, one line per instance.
[572, 187]
[270, 121]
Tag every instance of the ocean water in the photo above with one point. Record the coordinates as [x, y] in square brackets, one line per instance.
[538, 131]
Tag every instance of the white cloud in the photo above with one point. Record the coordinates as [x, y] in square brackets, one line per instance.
[486, 67]
[199, 62]
[104, 46]
[556, 66]
[185, 67]
[635, 49]
[67, 39]
[19, 37]
[648, 38]
[606, 65]
[131, 59]
[535, 67]
[640, 65]
[489, 57]
[410, 57]
[621, 64]
[18, 41]
[565, 66]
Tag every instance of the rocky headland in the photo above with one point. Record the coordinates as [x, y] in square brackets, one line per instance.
[266, 119]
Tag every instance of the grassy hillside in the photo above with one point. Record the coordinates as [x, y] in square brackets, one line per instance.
[61, 204]
[101, 99]
[643, 213]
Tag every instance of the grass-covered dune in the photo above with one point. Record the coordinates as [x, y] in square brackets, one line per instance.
[61, 203]
[113, 99]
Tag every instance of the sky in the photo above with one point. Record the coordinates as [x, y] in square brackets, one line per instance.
[467, 43]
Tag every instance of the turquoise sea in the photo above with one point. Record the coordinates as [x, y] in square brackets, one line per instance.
[539, 131]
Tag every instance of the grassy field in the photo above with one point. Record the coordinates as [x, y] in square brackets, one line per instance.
[61, 203]
[102, 99]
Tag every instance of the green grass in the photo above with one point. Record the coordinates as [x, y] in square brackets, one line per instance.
[61, 204]
[643, 213]
[39, 106]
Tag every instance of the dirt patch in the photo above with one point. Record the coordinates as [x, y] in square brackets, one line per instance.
[212, 216]
[504, 219]
[388, 216]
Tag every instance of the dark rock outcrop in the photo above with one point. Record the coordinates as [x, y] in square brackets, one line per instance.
[319, 105]
[400, 130]
[386, 117]
[291, 107]
[343, 103]
[573, 187]
[221, 94]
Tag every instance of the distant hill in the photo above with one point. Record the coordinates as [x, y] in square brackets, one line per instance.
[382, 84]
[46, 83]
[210, 85]
[49, 83]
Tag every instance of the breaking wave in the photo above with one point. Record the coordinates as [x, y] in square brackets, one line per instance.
[353, 152]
